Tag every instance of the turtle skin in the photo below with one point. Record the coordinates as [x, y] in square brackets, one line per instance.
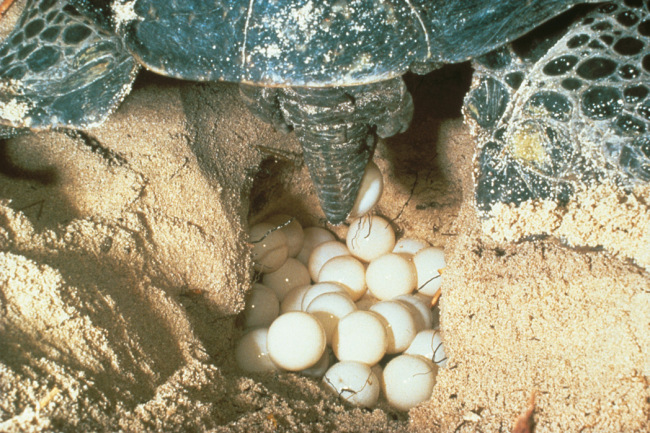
[339, 64]
[288, 43]
[565, 111]
[61, 69]
[338, 128]
[334, 53]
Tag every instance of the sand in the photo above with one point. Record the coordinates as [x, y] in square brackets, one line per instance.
[124, 264]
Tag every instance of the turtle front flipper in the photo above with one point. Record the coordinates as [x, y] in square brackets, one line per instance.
[337, 128]
[59, 68]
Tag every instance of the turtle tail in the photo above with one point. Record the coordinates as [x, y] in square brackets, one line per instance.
[338, 128]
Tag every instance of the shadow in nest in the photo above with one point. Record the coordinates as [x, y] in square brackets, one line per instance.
[437, 97]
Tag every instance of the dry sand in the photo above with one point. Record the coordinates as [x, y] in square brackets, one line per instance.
[123, 265]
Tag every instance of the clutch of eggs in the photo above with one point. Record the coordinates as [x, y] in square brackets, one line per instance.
[335, 309]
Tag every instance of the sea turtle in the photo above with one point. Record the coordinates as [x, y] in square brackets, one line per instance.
[329, 70]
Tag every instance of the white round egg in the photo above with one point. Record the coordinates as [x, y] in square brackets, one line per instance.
[313, 236]
[251, 353]
[319, 289]
[429, 262]
[290, 275]
[353, 382]
[400, 325]
[435, 310]
[296, 341]
[318, 370]
[409, 246]
[348, 271]
[270, 248]
[428, 343]
[329, 308]
[293, 231]
[366, 301]
[391, 275]
[322, 253]
[293, 300]
[360, 336]
[424, 315]
[372, 185]
[262, 307]
[408, 381]
[379, 372]
[370, 237]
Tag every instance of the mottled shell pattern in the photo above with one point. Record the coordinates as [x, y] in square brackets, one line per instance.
[567, 114]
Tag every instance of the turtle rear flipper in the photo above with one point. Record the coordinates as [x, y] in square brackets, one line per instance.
[60, 69]
[564, 135]
[576, 118]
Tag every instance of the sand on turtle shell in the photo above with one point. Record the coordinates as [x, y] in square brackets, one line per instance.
[124, 262]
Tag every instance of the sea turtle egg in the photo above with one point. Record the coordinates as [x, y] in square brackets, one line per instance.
[391, 275]
[370, 237]
[251, 352]
[329, 308]
[296, 341]
[354, 382]
[400, 324]
[428, 263]
[293, 300]
[320, 289]
[408, 381]
[262, 307]
[428, 343]
[424, 315]
[366, 301]
[318, 370]
[293, 231]
[348, 271]
[360, 336]
[290, 275]
[409, 246]
[372, 185]
[314, 236]
[322, 253]
[270, 249]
